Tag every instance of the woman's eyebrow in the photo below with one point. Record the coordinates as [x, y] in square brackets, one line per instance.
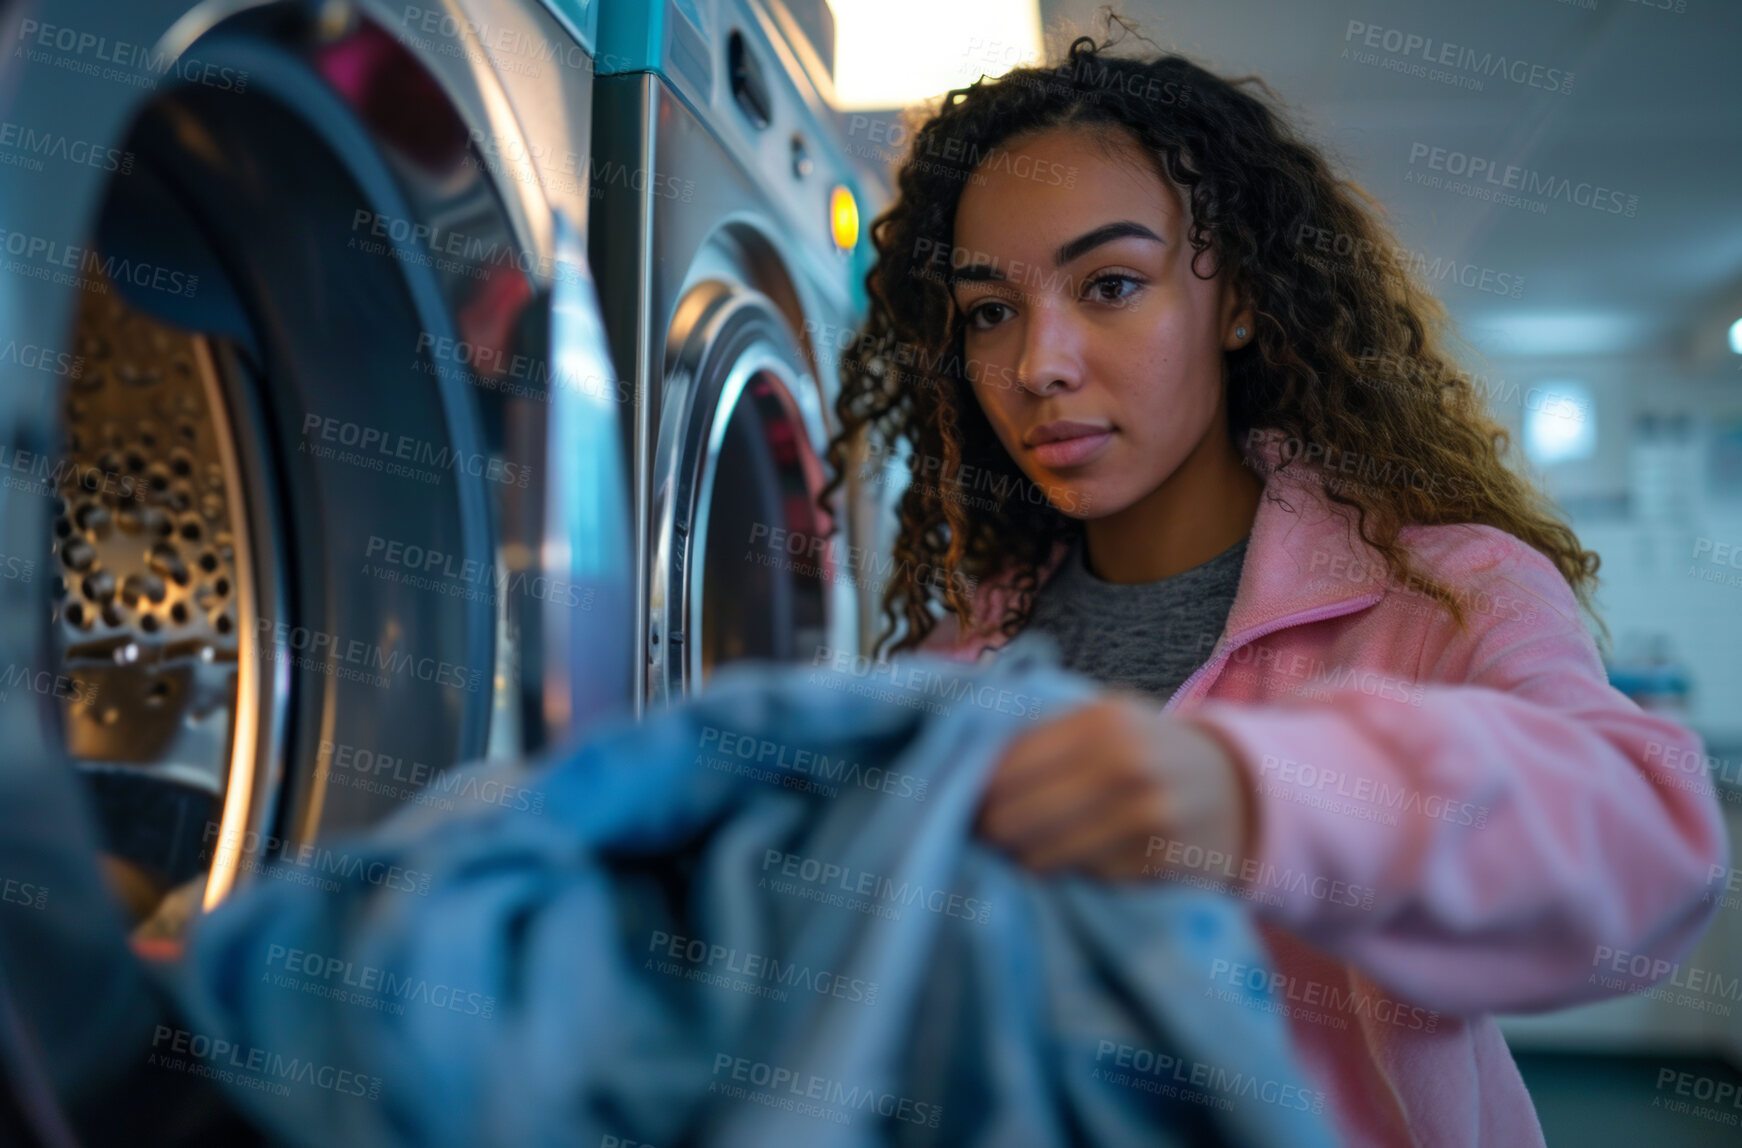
[1106, 233]
[1076, 248]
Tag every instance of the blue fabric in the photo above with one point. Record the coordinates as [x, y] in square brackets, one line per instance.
[1022, 1012]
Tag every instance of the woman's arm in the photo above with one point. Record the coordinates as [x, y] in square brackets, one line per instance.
[1537, 830]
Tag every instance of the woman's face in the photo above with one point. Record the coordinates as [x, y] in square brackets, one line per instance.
[1094, 350]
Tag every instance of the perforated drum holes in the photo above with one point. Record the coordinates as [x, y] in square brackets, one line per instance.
[145, 599]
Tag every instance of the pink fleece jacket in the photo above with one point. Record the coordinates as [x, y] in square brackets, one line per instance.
[1449, 823]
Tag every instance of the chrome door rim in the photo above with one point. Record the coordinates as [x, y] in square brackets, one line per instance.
[694, 413]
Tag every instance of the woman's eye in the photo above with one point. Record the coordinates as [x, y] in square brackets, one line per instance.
[1112, 288]
[986, 315]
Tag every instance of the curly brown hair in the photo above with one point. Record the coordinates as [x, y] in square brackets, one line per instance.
[1349, 356]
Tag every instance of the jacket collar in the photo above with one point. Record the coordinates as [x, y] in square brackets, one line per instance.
[1305, 556]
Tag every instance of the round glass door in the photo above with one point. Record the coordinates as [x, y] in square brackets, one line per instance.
[743, 566]
[767, 562]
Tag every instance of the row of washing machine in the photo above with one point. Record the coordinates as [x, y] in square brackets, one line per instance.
[391, 385]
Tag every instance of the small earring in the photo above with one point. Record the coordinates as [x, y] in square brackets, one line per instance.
[1240, 332]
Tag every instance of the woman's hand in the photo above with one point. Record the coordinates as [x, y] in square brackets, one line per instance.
[1107, 787]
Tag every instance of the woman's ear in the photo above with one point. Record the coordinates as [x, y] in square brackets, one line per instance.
[1239, 320]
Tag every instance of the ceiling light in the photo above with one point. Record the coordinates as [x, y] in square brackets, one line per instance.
[1560, 422]
[1558, 332]
[895, 53]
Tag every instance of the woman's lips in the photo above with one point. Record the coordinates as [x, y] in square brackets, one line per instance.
[1072, 452]
[1075, 450]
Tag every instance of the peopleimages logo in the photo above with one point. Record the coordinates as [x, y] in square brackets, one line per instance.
[24, 677]
[757, 974]
[960, 157]
[822, 881]
[335, 978]
[420, 783]
[305, 863]
[511, 373]
[1264, 986]
[964, 483]
[1410, 46]
[24, 146]
[68, 265]
[1433, 268]
[39, 474]
[914, 685]
[137, 65]
[1483, 174]
[833, 1094]
[36, 358]
[1705, 1088]
[15, 892]
[1346, 567]
[325, 652]
[250, 1066]
[1653, 977]
[429, 245]
[1718, 552]
[469, 579]
[839, 770]
[377, 449]
[1189, 863]
[1162, 1073]
[499, 44]
[1328, 463]
[810, 556]
[1369, 797]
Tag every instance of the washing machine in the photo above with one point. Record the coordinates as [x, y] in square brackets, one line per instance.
[312, 483]
[725, 224]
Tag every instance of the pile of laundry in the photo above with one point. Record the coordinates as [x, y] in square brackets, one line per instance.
[759, 918]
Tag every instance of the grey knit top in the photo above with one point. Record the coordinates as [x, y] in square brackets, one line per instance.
[1150, 636]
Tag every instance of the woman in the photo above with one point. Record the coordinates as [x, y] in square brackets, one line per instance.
[1168, 397]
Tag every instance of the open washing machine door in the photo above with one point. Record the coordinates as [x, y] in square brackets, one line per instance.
[317, 452]
[742, 564]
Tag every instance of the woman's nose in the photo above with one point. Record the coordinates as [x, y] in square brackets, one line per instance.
[1050, 360]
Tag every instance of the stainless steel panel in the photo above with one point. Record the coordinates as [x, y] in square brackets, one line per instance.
[698, 253]
[312, 200]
